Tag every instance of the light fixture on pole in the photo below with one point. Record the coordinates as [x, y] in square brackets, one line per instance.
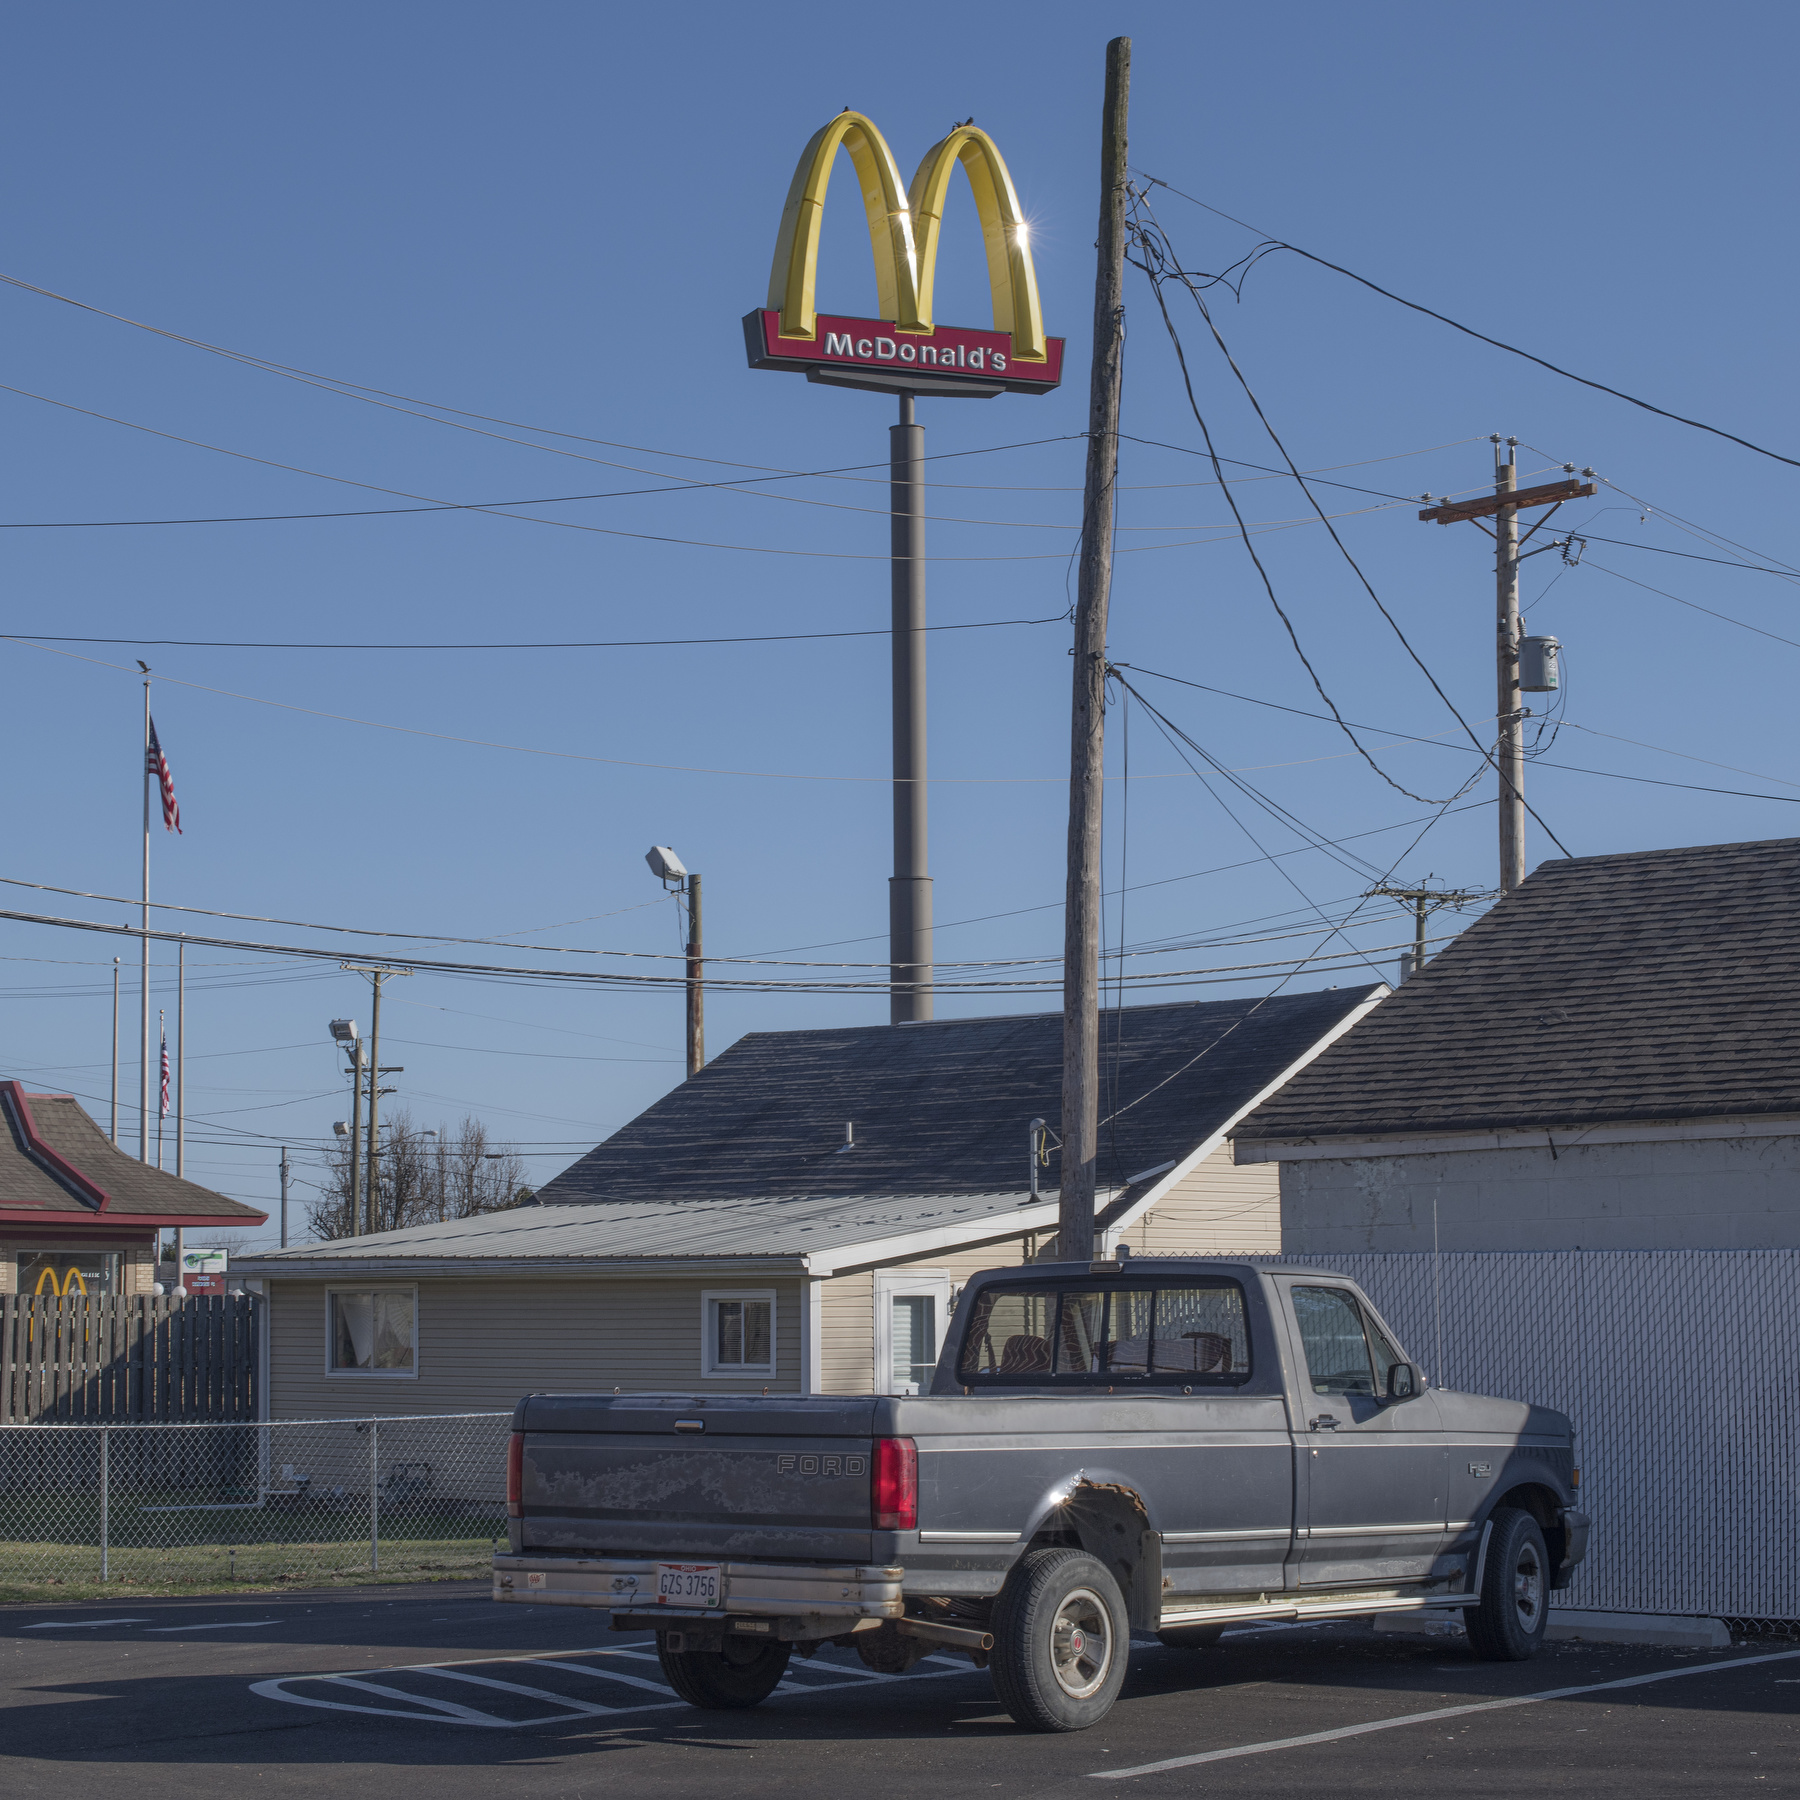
[672, 872]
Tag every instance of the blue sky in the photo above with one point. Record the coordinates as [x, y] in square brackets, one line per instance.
[556, 216]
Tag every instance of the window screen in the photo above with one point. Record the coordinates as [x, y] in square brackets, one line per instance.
[1110, 1335]
[741, 1335]
[372, 1331]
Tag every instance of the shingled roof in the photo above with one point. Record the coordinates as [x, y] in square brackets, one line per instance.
[57, 1166]
[1659, 985]
[944, 1107]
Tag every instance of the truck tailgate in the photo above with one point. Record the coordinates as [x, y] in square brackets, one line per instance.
[686, 1475]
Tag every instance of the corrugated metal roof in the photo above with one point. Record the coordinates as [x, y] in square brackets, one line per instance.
[787, 1225]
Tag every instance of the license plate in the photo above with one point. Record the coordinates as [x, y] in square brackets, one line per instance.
[689, 1584]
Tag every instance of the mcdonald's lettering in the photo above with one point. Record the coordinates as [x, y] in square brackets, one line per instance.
[951, 351]
[904, 227]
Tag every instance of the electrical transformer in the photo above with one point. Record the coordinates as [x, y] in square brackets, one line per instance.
[1540, 665]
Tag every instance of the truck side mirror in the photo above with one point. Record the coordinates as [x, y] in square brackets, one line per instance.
[1403, 1382]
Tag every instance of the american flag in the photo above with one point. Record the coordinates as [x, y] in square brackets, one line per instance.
[158, 765]
[165, 1071]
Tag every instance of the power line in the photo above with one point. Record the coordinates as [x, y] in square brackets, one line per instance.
[770, 637]
[1271, 244]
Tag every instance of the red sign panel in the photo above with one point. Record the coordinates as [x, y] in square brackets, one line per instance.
[205, 1284]
[951, 352]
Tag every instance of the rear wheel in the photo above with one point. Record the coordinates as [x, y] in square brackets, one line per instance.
[1061, 1637]
[1509, 1624]
[745, 1673]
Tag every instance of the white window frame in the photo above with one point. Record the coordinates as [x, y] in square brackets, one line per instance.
[713, 1371]
[907, 1284]
[335, 1288]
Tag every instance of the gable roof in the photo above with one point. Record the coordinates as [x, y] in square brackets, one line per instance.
[945, 1107]
[57, 1166]
[1659, 985]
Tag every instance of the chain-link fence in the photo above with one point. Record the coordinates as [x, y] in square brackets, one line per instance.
[302, 1501]
[1680, 1369]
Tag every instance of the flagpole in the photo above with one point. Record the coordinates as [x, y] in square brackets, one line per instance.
[180, 1055]
[162, 1038]
[144, 949]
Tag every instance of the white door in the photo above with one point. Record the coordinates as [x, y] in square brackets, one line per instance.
[911, 1312]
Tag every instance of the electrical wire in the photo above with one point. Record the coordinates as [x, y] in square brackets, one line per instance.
[1271, 244]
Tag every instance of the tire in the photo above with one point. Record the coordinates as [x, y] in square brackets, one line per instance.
[1509, 1623]
[1061, 1640]
[745, 1673]
[1190, 1637]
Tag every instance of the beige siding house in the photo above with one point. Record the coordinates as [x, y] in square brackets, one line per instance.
[799, 1217]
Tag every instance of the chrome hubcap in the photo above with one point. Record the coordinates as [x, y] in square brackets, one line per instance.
[1081, 1644]
[1528, 1588]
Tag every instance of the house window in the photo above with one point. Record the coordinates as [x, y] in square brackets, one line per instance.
[374, 1331]
[738, 1333]
[914, 1332]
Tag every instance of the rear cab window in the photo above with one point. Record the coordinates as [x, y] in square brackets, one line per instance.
[1074, 1334]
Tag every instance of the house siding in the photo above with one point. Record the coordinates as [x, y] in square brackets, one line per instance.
[482, 1344]
[847, 1309]
[1717, 1194]
[1216, 1209]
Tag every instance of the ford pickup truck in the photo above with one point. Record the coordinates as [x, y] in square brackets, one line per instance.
[1164, 1447]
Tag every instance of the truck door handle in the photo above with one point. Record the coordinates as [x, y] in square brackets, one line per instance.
[1324, 1422]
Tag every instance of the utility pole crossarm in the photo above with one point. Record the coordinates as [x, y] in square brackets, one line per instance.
[1453, 512]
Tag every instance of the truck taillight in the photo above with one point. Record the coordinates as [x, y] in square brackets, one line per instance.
[894, 1488]
[515, 1476]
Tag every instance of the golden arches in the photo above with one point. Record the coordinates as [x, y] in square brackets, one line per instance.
[792, 279]
[71, 1282]
[1011, 277]
[905, 270]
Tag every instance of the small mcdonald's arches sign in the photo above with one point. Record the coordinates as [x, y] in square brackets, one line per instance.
[905, 348]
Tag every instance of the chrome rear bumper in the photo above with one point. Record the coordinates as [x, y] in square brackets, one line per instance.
[757, 1590]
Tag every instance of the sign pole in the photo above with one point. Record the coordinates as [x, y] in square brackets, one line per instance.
[909, 891]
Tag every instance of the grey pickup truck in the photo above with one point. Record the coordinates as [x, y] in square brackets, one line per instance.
[1165, 1447]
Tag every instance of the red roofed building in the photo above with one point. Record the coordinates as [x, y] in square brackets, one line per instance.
[72, 1201]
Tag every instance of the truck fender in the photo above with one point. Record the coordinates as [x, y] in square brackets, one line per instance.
[1105, 1516]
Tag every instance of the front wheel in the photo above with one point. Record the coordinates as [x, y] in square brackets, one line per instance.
[1061, 1637]
[745, 1673]
[1509, 1623]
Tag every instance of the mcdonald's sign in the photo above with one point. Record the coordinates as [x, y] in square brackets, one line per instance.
[905, 347]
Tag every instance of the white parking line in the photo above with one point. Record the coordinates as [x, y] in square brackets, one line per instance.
[1425, 1718]
[450, 1712]
[79, 1624]
[221, 1625]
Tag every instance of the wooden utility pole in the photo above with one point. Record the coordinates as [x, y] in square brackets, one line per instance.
[1081, 919]
[696, 992]
[1424, 901]
[1504, 507]
[1509, 751]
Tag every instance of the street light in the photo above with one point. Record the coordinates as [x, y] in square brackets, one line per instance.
[344, 1033]
[669, 869]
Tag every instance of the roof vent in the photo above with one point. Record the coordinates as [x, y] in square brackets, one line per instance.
[849, 1142]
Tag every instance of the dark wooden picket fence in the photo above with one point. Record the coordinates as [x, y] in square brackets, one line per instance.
[119, 1359]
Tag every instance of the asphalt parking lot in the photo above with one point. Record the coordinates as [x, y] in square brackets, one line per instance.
[437, 1693]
